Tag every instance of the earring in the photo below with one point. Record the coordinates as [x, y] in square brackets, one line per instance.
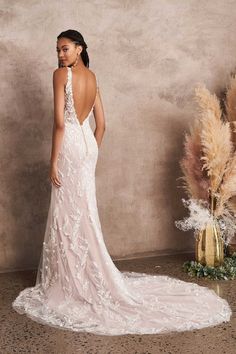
[76, 61]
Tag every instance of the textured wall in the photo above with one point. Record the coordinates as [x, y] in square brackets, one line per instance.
[148, 56]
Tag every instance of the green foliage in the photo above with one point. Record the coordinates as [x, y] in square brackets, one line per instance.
[226, 271]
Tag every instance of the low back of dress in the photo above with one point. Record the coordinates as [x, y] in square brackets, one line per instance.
[84, 90]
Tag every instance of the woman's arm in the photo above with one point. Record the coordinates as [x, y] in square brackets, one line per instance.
[99, 118]
[59, 78]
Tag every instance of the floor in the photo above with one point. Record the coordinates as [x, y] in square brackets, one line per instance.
[19, 334]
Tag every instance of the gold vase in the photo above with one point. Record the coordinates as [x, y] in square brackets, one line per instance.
[209, 246]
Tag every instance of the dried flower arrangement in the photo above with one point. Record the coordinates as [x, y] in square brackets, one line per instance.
[209, 164]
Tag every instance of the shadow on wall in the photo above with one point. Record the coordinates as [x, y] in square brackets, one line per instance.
[172, 193]
[25, 167]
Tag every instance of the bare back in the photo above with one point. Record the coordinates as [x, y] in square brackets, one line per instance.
[84, 90]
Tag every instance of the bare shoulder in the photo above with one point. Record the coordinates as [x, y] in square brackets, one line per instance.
[60, 74]
[93, 73]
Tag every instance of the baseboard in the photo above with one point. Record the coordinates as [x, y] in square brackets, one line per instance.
[125, 258]
[153, 254]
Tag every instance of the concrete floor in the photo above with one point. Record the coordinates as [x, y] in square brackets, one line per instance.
[19, 334]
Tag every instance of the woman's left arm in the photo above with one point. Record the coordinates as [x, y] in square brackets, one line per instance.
[59, 80]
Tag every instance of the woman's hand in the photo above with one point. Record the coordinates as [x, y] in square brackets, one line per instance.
[54, 175]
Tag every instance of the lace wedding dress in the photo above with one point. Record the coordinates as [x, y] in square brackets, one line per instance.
[78, 287]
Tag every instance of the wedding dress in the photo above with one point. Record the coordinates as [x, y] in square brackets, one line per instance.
[78, 287]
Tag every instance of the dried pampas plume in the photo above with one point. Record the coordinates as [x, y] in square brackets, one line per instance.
[228, 187]
[216, 146]
[196, 183]
[207, 102]
[230, 105]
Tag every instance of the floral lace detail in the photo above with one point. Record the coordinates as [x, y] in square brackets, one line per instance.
[78, 287]
[70, 115]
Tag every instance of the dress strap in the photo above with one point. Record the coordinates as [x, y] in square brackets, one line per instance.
[69, 74]
[97, 84]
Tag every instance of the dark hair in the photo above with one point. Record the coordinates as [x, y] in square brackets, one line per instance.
[78, 39]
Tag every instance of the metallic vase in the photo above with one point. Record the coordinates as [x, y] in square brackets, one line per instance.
[209, 246]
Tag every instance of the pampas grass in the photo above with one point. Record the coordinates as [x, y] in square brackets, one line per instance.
[216, 147]
[228, 186]
[209, 162]
[207, 102]
[195, 181]
[230, 105]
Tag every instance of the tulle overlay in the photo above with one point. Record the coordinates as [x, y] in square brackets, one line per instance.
[78, 287]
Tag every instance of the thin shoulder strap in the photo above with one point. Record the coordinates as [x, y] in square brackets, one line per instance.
[97, 84]
[69, 74]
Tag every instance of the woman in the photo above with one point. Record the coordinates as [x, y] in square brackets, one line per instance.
[78, 287]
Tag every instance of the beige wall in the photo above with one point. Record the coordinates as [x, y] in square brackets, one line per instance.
[148, 56]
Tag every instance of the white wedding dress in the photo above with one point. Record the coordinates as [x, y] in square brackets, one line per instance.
[78, 287]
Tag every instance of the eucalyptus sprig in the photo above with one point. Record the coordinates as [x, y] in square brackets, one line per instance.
[227, 271]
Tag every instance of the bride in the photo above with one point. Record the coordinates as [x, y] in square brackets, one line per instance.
[78, 287]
